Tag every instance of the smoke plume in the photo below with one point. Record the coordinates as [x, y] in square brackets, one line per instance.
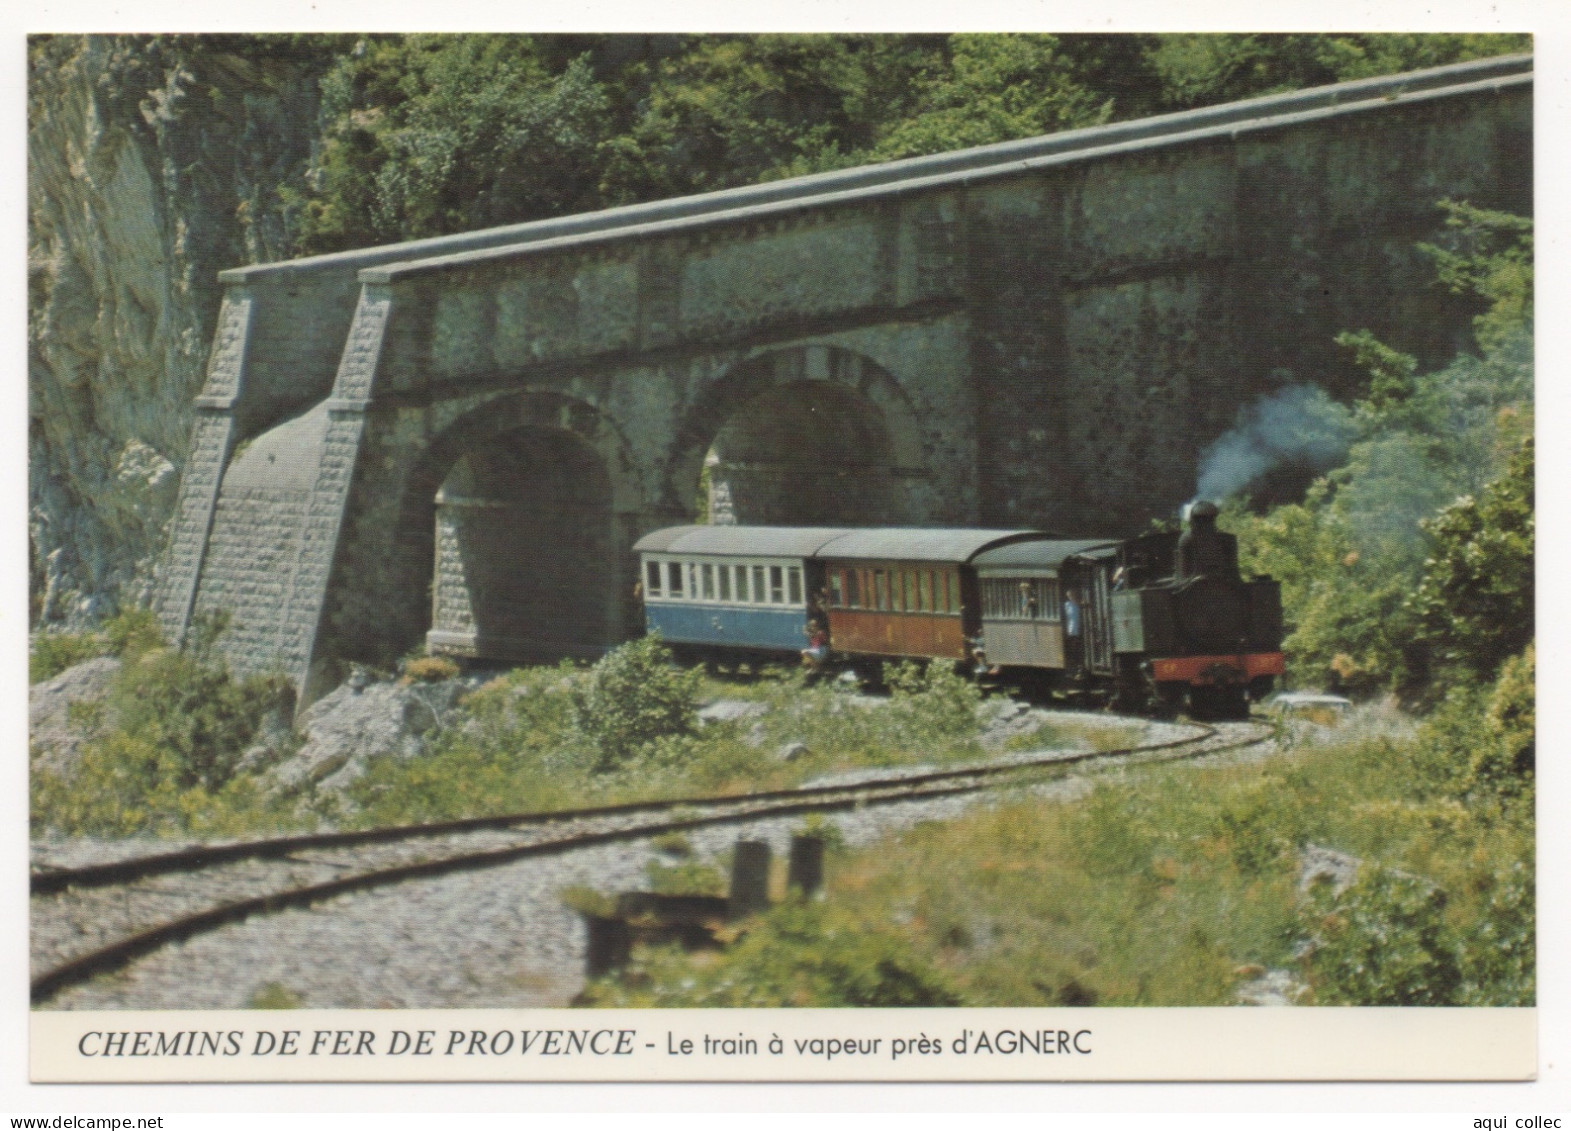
[1298, 426]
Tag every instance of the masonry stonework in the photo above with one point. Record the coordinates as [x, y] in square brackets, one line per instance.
[436, 442]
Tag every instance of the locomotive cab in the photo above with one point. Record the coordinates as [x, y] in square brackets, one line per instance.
[1188, 628]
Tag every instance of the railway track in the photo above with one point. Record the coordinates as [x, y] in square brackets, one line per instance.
[92, 920]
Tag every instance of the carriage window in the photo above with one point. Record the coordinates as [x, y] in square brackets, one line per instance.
[708, 573]
[794, 576]
[758, 585]
[924, 582]
[853, 588]
[652, 576]
[674, 575]
[950, 596]
[836, 589]
[880, 590]
[776, 585]
[725, 583]
[741, 584]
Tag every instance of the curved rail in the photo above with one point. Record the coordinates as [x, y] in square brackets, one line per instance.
[752, 806]
[206, 856]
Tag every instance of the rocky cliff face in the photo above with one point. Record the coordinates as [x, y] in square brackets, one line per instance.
[154, 163]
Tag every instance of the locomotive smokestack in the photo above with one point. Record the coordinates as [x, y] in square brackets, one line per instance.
[1203, 550]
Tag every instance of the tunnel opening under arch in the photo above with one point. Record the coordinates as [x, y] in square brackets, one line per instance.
[798, 448]
[524, 551]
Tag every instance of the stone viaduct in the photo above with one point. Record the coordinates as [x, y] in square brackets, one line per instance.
[457, 440]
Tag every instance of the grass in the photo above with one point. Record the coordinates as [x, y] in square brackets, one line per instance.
[163, 756]
[1055, 734]
[522, 744]
[1169, 887]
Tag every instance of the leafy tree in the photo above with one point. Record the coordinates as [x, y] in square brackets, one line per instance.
[1475, 598]
[1386, 559]
[998, 87]
[1489, 254]
[733, 110]
[1200, 69]
[426, 135]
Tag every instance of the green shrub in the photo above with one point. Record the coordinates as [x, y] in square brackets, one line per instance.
[684, 877]
[163, 747]
[275, 995]
[1383, 941]
[1260, 823]
[1499, 954]
[1512, 715]
[512, 745]
[1479, 743]
[195, 711]
[53, 652]
[633, 697]
[798, 954]
[129, 633]
[933, 701]
[132, 632]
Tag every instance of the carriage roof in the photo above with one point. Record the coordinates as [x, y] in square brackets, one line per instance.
[1038, 557]
[905, 544]
[739, 541]
[917, 544]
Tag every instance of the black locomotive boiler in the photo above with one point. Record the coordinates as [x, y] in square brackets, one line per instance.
[1159, 622]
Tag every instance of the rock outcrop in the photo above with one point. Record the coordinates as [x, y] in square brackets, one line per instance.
[56, 735]
[154, 163]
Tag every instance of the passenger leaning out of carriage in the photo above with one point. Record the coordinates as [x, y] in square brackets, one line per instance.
[816, 654]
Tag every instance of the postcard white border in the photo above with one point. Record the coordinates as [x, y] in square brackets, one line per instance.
[752, 1045]
[1546, 18]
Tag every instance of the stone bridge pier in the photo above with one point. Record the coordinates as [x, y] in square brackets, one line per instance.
[455, 442]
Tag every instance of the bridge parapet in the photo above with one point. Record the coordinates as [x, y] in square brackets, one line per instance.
[1042, 333]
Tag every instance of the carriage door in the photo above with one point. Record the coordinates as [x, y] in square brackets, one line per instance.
[1099, 620]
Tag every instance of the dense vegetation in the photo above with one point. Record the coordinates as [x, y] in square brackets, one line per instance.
[1166, 887]
[162, 750]
[423, 135]
[1407, 568]
[174, 749]
[1410, 567]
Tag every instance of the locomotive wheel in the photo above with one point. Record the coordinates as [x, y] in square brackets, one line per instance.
[1168, 700]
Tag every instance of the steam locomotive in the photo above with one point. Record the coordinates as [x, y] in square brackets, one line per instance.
[1161, 622]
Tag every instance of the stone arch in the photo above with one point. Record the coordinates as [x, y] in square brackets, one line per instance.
[522, 511]
[806, 435]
